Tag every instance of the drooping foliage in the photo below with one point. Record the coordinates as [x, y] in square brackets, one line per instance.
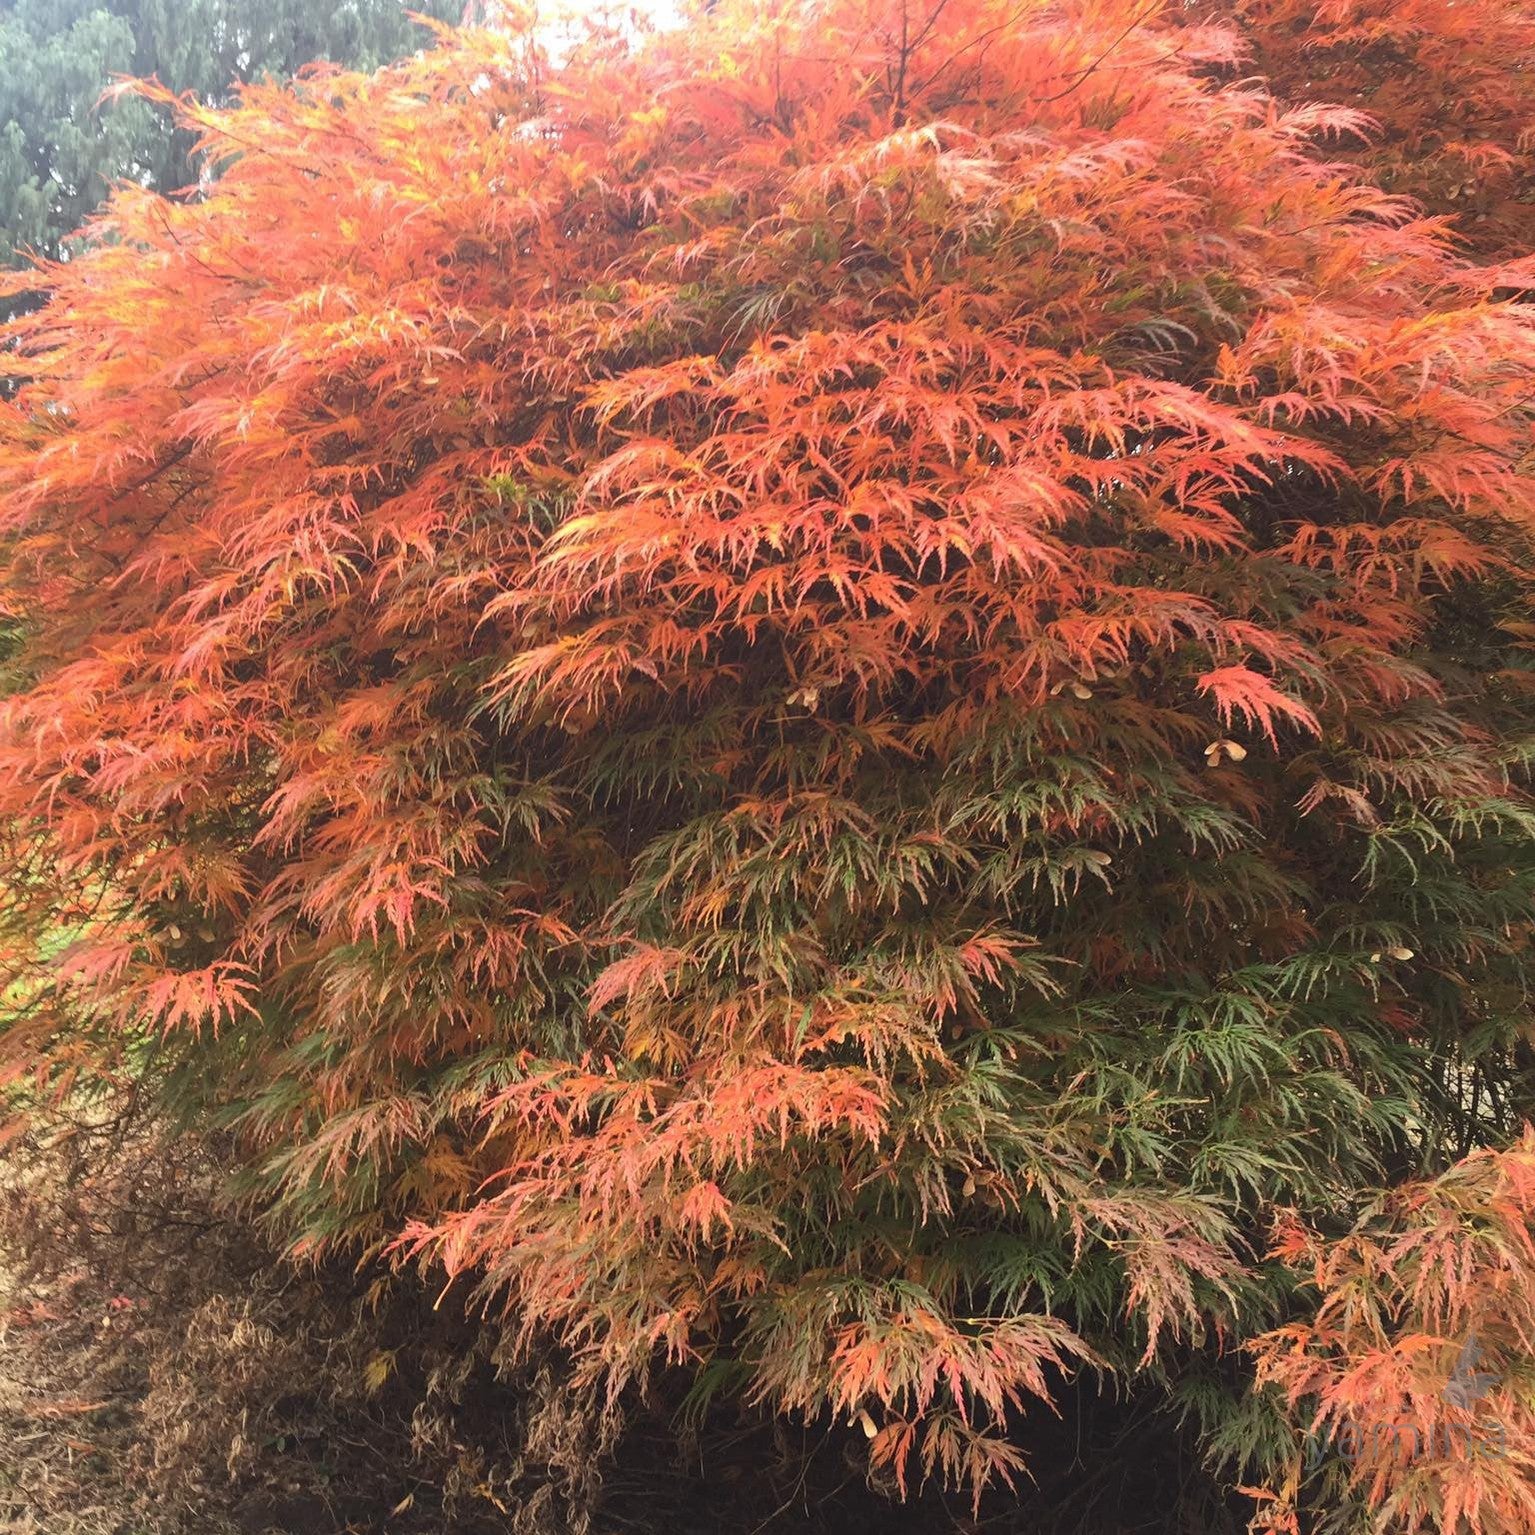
[827, 703]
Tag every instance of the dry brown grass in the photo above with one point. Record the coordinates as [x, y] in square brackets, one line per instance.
[164, 1372]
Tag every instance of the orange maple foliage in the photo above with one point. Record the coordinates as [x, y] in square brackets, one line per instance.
[1418, 1357]
[1443, 89]
[822, 700]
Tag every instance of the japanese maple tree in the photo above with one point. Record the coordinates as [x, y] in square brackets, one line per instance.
[829, 701]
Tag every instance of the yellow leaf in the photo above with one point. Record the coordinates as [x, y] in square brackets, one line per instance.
[378, 1370]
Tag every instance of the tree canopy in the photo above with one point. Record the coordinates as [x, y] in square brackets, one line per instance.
[842, 703]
